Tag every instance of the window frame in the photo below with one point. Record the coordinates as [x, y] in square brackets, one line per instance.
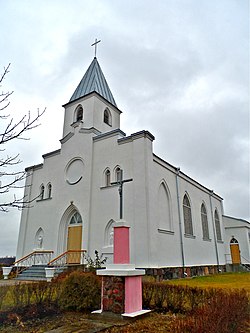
[204, 222]
[187, 216]
[217, 226]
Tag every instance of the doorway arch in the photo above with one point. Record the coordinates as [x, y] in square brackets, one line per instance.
[70, 230]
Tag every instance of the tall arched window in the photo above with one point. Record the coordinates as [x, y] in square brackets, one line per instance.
[49, 190]
[78, 113]
[107, 117]
[187, 214]
[107, 177]
[118, 174]
[217, 225]
[41, 196]
[204, 222]
[164, 208]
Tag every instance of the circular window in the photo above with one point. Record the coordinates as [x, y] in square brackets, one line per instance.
[74, 171]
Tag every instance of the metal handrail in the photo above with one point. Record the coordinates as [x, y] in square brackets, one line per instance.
[70, 257]
[34, 258]
[247, 261]
[228, 258]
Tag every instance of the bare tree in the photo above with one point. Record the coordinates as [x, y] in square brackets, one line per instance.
[12, 130]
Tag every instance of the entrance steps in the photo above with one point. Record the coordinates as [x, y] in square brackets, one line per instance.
[36, 273]
[33, 273]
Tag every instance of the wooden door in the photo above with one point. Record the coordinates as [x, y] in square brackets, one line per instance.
[235, 253]
[74, 244]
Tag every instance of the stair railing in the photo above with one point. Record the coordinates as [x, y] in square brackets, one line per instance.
[245, 261]
[228, 258]
[70, 257]
[34, 258]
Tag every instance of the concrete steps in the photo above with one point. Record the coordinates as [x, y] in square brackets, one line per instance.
[33, 273]
[36, 273]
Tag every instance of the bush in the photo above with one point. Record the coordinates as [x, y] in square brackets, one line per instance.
[225, 313]
[80, 291]
[207, 310]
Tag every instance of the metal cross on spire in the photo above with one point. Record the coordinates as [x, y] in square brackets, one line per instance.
[120, 182]
[95, 44]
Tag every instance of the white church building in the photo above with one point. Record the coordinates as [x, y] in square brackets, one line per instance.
[175, 222]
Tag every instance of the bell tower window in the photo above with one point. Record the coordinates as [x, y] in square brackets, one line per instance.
[107, 117]
[78, 114]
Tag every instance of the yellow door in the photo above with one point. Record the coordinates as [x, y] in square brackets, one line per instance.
[74, 244]
[235, 253]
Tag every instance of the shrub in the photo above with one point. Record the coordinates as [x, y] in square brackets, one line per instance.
[224, 313]
[3, 292]
[80, 291]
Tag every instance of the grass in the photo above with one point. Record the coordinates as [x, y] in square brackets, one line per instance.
[223, 280]
[154, 322]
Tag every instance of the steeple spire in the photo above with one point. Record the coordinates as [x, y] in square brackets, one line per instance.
[93, 81]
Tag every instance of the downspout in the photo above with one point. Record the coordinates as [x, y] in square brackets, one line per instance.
[179, 216]
[215, 237]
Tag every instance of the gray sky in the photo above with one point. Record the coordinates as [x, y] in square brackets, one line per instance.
[178, 68]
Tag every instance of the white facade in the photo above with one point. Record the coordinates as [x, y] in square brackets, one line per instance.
[237, 230]
[76, 178]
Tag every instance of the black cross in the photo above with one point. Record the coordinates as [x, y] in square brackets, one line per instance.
[120, 182]
[95, 44]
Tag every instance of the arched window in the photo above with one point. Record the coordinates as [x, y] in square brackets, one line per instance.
[187, 214]
[49, 190]
[78, 113]
[107, 177]
[107, 117]
[234, 241]
[41, 196]
[204, 222]
[164, 208]
[76, 219]
[217, 225]
[118, 174]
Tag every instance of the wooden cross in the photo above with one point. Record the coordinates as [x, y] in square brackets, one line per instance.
[95, 44]
[120, 182]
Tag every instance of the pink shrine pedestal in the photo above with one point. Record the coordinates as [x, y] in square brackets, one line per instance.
[121, 281]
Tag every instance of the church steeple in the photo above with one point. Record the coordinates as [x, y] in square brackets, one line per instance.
[93, 81]
[92, 105]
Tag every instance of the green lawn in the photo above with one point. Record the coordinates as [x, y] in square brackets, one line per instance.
[223, 280]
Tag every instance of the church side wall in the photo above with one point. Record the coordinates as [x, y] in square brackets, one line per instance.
[196, 251]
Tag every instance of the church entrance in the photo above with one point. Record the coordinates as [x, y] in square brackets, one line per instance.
[235, 251]
[74, 239]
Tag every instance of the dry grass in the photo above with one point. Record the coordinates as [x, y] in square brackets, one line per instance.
[224, 281]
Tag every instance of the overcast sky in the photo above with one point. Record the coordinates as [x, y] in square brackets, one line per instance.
[178, 68]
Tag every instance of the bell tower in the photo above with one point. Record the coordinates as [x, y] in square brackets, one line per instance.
[92, 105]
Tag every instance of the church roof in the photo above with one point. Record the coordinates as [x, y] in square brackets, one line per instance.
[93, 80]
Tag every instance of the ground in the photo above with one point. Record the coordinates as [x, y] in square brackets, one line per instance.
[73, 322]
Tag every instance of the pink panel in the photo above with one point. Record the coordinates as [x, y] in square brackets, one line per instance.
[121, 245]
[133, 294]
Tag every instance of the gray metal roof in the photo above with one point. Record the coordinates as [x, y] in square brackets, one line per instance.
[93, 80]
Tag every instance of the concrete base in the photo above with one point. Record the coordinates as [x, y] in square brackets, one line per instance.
[126, 315]
[136, 314]
[97, 311]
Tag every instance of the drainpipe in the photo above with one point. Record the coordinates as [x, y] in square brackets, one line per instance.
[215, 237]
[179, 216]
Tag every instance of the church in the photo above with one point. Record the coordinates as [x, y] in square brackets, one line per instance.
[100, 175]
